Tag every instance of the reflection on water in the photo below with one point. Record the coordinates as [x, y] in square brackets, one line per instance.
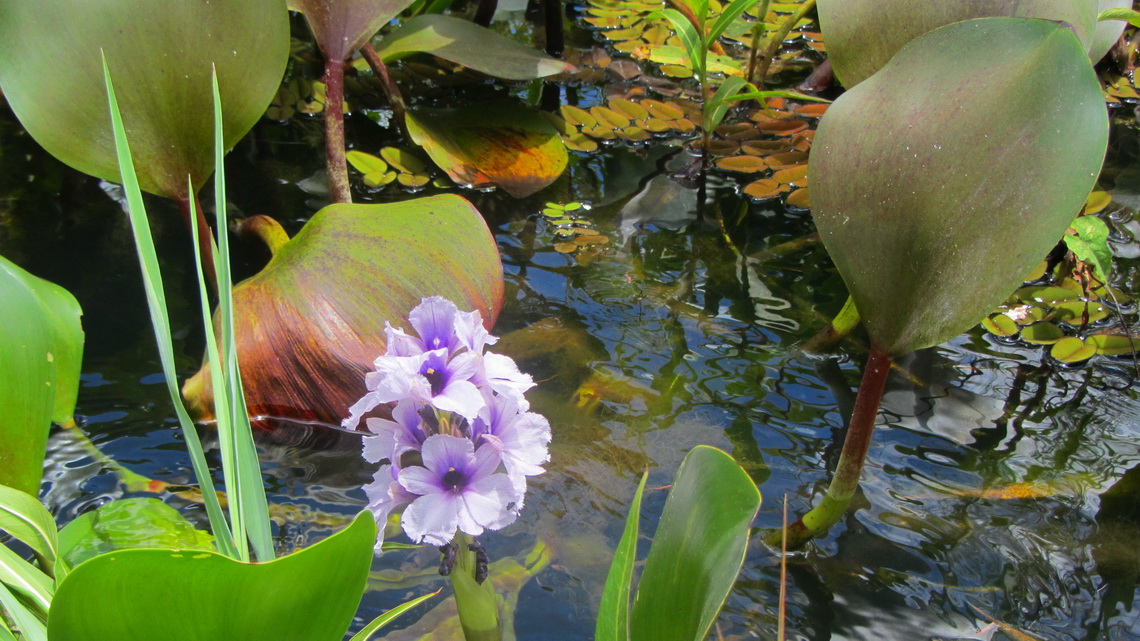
[982, 487]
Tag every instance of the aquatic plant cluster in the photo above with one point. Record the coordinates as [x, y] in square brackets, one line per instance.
[460, 417]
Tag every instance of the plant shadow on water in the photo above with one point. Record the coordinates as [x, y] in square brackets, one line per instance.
[982, 487]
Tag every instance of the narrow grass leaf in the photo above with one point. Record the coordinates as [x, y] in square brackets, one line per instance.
[718, 105]
[5, 632]
[31, 628]
[688, 35]
[253, 506]
[726, 18]
[160, 320]
[25, 579]
[613, 613]
[1130, 16]
[384, 619]
[27, 520]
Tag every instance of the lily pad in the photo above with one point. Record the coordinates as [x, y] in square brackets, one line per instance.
[1043, 333]
[161, 64]
[497, 143]
[862, 35]
[1001, 325]
[1113, 344]
[1071, 350]
[311, 323]
[932, 220]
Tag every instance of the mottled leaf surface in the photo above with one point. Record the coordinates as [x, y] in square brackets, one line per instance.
[862, 35]
[492, 143]
[939, 182]
[311, 323]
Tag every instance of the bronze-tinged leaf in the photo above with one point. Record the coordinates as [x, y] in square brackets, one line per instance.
[340, 27]
[743, 164]
[799, 199]
[764, 189]
[932, 220]
[491, 143]
[311, 323]
[782, 126]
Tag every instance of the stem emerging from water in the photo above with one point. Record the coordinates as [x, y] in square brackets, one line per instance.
[391, 90]
[205, 237]
[339, 190]
[855, 446]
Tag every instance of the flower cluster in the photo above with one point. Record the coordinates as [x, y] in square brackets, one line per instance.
[461, 440]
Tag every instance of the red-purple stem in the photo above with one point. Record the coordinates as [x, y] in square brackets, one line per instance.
[205, 237]
[395, 98]
[339, 190]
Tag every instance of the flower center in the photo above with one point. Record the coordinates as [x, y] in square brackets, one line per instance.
[435, 379]
[453, 480]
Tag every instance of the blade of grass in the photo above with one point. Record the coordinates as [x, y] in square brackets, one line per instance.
[726, 18]
[31, 628]
[384, 619]
[26, 579]
[160, 321]
[613, 613]
[253, 504]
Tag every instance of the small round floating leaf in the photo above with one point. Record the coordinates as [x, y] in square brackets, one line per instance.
[578, 116]
[799, 199]
[765, 147]
[796, 175]
[376, 179]
[1038, 272]
[718, 147]
[594, 239]
[743, 164]
[635, 134]
[630, 108]
[684, 125]
[764, 189]
[405, 162]
[782, 127]
[609, 116]
[1047, 295]
[1112, 344]
[786, 159]
[1043, 333]
[1073, 311]
[565, 248]
[657, 125]
[1000, 325]
[813, 110]
[662, 110]
[1097, 201]
[676, 71]
[580, 142]
[413, 181]
[886, 174]
[1071, 350]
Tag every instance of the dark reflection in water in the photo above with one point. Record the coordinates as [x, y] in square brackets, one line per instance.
[983, 487]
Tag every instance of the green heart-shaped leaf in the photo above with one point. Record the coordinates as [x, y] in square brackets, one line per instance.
[311, 323]
[939, 182]
[498, 143]
[340, 27]
[862, 35]
[468, 44]
[160, 59]
[193, 595]
[41, 349]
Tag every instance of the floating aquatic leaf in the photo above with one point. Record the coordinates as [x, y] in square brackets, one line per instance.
[1070, 350]
[745, 164]
[161, 62]
[310, 324]
[1000, 325]
[787, 159]
[796, 175]
[1042, 333]
[1097, 201]
[862, 35]
[782, 126]
[799, 199]
[1113, 344]
[491, 143]
[466, 43]
[764, 189]
[375, 170]
[1048, 295]
[1073, 312]
[886, 175]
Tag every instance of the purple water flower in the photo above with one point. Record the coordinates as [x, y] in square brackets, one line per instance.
[521, 438]
[461, 441]
[458, 487]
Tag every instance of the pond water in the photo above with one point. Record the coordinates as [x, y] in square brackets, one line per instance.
[987, 487]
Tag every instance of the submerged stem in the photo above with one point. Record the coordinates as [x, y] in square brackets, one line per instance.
[391, 89]
[855, 446]
[339, 190]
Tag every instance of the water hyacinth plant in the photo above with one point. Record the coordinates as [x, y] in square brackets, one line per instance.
[460, 417]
